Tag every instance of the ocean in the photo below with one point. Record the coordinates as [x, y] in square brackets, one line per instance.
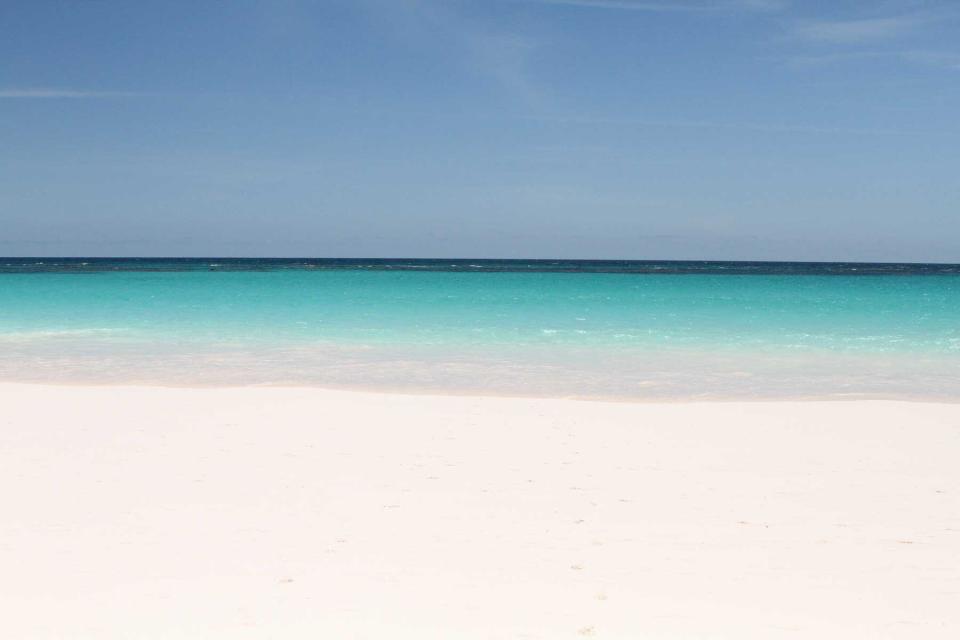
[588, 329]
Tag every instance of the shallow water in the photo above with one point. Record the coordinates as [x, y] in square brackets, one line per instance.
[659, 330]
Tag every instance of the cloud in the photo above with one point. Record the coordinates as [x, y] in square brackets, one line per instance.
[498, 53]
[46, 92]
[857, 31]
[745, 126]
[504, 58]
[879, 38]
[688, 6]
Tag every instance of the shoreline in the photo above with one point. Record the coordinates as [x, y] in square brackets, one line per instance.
[494, 395]
[301, 513]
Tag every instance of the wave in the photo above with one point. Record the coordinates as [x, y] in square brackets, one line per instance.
[52, 334]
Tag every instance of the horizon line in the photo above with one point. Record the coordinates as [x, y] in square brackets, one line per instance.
[465, 259]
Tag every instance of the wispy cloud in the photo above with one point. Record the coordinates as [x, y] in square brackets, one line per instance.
[689, 6]
[857, 31]
[504, 58]
[876, 38]
[47, 92]
[745, 126]
[498, 53]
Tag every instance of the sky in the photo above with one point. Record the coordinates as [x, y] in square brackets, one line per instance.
[628, 129]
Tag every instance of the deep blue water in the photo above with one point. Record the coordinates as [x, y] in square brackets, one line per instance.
[90, 265]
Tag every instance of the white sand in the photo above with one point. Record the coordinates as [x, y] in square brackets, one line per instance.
[303, 513]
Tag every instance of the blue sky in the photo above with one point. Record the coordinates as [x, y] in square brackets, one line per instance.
[728, 129]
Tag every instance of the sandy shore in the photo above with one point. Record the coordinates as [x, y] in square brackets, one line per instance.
[302, 513]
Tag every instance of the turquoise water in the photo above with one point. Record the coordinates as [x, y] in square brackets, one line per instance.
[657, 330]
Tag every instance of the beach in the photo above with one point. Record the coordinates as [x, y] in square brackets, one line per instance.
[480, 320]
[255, 512]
